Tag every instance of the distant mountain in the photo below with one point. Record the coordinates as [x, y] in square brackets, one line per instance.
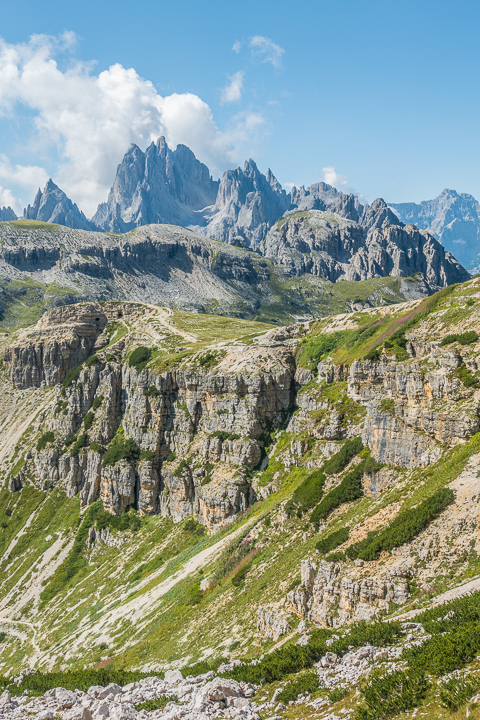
[453, 218]
[247, 205]
[6, 214]
[53, 206]
[327, 245]
[157, 186]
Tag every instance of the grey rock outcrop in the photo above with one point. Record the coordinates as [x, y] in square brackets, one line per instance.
[328, 598]
[247, 205]
[331, 246]
[453, 218]
[321, 196]
[7, 214]
[159, 185]
[53, 206]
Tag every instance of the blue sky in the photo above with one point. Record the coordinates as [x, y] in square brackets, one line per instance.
[380, 97]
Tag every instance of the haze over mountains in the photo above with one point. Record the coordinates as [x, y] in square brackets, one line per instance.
[162, 185]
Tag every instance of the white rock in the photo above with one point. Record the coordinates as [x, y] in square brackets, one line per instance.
[172, 677]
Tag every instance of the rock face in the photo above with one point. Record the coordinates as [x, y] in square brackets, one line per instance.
[321, 196]
[53, 206]
[328, 599]
[211, 422]
[157, 186]
[331, 246]
[7, 214]
[247, 205]
[160, 264]
[453, 218]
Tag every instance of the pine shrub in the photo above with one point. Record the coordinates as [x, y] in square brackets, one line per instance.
[340, 460]
[333, 540]
[47, 437]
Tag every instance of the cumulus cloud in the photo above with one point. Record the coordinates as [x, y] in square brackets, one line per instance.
[237, 46]
[232, 92]
[8, 199]
[266, 50]
[89, 120]
[332, 177]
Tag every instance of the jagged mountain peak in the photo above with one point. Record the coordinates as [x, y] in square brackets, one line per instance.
[53, 206]
[7, 214]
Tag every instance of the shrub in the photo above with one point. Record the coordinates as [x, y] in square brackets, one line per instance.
[170, 457]
[92, 360]
[121, 449]
[70, 439]
[140, 357]
[191, 526]
[221, 435]
[156, 703]
[97, 402]
[146, 455]
[387, 405]
[71, 376]
[47, 437]
[340, 460]
[333, 540]
[9, 512]
[180, 468]
[152, 392]
[349, 489]
[466, 376]
[81, 442]
[208, 360]
[38, 683]
[3, 635]
[392, 694]
[88, 420]
[465, 338]
[455, 692]
[194, 594]
[239, 576]
[336, 557]
[338, 694]
[307, 494]
[4, 524]
[470, 302]
[303, 684]
[403, 528]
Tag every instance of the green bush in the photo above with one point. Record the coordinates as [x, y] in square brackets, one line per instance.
[47, 437]
[191, 526]
[387, 405]
[140, 357]
[333, 540]
[97, 402]
[208, 360]
[95, 447]
[152, 392]
[121, 449]
[156, 703]
[81, 443]
[71, 376]
[194, 594]
[455, 692]
[180, 468]
[239, 576]
[338, 694]
[467, 377]
[307, 494]
[38, 683]
[221, 435]
[88, 420]
[407, 525]
[92, 360]
[336, 557]
[442, 654]
[349, 489]
[3, 635]
[340, 460]
[303, 684]
[465, 338]
[170, 457]
[392, 694]
[9, 512]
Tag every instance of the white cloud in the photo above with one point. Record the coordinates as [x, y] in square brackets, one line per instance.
[237, 46]
[232, 92]
[332, 177]
[8, 199]
[91, 120]
[267, 50]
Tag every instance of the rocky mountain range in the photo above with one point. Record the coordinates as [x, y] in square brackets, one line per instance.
[305, 255]
[453, 218]
[173, 187]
